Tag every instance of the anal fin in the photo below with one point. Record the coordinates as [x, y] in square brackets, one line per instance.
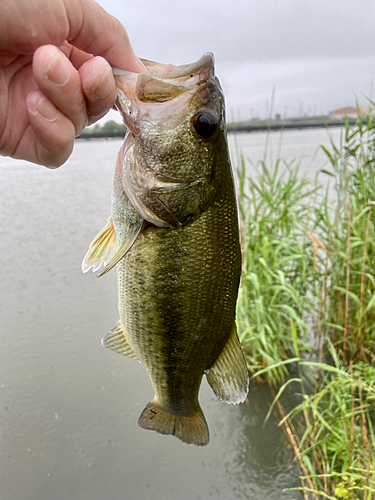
[228, 376]
[117, 341]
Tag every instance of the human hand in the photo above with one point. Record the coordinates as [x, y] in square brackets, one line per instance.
[51, 85]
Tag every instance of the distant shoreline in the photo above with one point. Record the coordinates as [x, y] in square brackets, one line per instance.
[87, 136]
[253, 126]
[290, 124]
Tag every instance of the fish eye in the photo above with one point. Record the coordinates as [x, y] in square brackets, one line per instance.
[205, 124]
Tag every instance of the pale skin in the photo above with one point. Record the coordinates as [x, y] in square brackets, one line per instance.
[55, 74]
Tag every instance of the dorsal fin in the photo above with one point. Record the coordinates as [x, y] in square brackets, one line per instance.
[228, 376]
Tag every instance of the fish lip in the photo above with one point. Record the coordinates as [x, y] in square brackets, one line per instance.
[122, 72]
[205, 62]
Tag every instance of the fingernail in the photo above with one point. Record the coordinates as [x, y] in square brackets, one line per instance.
[142, 67]
[59, 69]
[38, 103]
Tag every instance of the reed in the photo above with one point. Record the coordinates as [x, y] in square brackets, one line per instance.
[307, 300]
[279, 274]
[350, 317]
[333, 436]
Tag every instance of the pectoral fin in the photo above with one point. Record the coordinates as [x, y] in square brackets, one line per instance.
[101, 249]
[117, 341]
[125, 247]
[228, 376]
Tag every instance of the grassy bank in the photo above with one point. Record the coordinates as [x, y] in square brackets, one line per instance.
[307, 302]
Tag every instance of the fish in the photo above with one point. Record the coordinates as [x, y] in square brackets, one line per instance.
[174, 236]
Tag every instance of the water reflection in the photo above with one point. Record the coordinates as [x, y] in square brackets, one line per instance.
[259, 463]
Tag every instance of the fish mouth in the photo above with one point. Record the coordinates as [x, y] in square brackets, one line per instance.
[170, 71]
[137, 93]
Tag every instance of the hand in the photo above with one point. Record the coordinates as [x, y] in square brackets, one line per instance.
[51, 85]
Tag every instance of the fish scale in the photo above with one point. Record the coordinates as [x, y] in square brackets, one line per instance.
[148, 295]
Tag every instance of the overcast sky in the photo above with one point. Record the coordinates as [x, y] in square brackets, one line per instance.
[319, 54]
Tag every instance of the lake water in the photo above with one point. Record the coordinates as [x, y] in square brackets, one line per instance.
[68, 407]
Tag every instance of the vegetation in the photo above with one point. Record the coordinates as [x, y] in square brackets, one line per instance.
[279, 274]
[331, 432]
[109, 129]
[307, 302]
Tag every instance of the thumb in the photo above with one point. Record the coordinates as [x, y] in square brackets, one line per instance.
[101, 34]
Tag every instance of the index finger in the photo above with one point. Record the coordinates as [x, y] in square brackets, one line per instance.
[26, 25]
[101, 34]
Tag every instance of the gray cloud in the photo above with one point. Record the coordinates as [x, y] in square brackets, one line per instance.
[314, 51]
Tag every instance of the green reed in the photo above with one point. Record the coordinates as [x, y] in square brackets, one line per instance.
[309, 285]
[350, 311]
[307, 260]
[278, 276]
[331, 432]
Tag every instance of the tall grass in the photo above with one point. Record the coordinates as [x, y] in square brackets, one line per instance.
[332, 433]
[279, 274]
[308, 286]
[350, 312]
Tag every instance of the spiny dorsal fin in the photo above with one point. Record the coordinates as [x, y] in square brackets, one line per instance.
[125, 247]
[101, 249]
[228, 376]
[117, 341]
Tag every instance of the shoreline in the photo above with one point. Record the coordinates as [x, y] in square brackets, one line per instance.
[254, 126]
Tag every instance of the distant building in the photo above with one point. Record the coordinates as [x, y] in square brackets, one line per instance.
[349, 111]
[352, 112]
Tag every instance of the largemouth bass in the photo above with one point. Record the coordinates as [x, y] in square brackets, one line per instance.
[174, 237]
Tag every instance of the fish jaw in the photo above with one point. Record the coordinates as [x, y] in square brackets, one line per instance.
[172, 71]
[164, 83]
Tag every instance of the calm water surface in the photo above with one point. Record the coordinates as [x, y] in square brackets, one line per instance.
[68, 407]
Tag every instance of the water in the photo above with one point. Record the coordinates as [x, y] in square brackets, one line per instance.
[300, 145]
[68, 407]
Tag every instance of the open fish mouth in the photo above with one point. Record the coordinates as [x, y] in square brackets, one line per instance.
[170, 71]
[162, 83]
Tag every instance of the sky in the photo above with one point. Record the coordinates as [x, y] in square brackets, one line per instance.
[318, 54]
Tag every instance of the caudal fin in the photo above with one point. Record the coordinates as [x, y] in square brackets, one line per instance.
[191, 429]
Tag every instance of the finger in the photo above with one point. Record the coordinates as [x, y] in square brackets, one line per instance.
[97, 81]
[98, 86]
[52, 133]
[83, 22]
[99, 33]
[76, 56]
[60, 81]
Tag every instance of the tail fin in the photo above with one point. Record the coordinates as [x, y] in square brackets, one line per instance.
[191, 429]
